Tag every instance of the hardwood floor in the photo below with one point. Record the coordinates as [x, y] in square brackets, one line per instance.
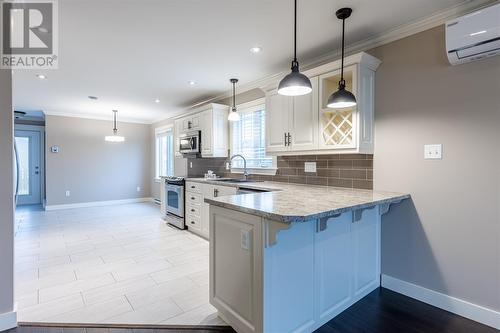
[382, 311]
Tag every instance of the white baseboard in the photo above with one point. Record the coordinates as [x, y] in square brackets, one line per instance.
[97, 203]
[8, 320]
[452, 304]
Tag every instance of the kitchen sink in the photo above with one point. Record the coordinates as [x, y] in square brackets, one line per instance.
[237, 180]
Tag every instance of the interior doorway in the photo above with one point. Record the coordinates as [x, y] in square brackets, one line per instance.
[29, 141]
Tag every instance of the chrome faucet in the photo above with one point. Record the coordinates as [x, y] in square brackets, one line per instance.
[245, 171]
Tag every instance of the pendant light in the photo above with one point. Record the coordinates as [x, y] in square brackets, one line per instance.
[295, 83]
[233, 115]
[342, 98]
[114, 137]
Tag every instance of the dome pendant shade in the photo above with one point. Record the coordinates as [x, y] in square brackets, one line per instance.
[233, 114]
[342, 98]
[295, 83]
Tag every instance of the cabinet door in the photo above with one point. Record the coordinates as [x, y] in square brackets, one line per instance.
[304, 120]
[277, 121]
[220, 129]
[366, 252]
[333, 258]
[195, 122]
[206, 133]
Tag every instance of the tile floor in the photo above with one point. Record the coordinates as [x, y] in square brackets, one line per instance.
[116, 264]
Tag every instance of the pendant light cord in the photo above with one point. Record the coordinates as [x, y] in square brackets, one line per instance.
[234, 96]
[114, 122]
[342, 82]
[295, 35]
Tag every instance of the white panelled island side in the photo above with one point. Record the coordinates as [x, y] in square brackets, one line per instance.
[291, 259]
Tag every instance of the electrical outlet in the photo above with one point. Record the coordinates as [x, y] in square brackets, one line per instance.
[309, 166]
[68, 193]
[138, 189]
[228, 166]
[245, 239]
[190, 165]
[433, 152]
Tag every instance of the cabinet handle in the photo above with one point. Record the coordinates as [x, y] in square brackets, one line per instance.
[192, 210]
[289, 139]
[192, 222]
[216, 192]
[189, 124]
[286, 142]
[192, 186]
[192, 198]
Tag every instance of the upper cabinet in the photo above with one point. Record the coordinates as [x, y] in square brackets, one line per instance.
[211, 120]
[305, 124]
[291, 122]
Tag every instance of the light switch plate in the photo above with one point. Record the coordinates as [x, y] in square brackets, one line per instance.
[433, 152]
[68, 193]
[310, 166]
[54, 149]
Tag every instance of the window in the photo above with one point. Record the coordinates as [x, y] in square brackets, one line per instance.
[248, 138]
[164, 152]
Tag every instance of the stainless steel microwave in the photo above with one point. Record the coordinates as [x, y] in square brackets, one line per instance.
[190, 143]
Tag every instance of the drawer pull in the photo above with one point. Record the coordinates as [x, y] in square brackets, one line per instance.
[192, 198]
[192, 186]
[193, 210]
[192, 222]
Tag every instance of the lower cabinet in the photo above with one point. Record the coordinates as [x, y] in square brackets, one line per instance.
[197, 211]
[267, 276]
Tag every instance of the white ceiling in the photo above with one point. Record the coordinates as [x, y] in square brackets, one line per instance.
[130, 52]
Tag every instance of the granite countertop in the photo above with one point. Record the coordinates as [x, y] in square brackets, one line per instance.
[288, 203]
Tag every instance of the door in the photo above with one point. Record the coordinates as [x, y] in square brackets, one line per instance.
[304, 120]
[28, 146]
[277, 121]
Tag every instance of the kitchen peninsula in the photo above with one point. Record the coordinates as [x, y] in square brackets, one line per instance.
[291, 259]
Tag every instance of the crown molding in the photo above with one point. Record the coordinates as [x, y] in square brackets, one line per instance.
[96, 117]
[373, 41]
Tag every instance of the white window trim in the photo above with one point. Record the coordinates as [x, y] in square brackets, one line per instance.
[158, 131]
[251, 107]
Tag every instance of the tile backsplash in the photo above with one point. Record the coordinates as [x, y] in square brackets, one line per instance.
[341, 170]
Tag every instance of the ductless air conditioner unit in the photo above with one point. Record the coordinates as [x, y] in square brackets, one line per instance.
[474, 36]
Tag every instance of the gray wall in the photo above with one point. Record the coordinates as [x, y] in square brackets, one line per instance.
[6, 195]
[91, 168]
[447, 238]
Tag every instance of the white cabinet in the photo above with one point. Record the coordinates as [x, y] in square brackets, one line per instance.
[177, 133]
[211, 120]
[291, 278]
[197, 211]
[305, 124]
[291, 122]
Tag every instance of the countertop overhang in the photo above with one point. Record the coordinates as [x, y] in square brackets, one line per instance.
[289, 203]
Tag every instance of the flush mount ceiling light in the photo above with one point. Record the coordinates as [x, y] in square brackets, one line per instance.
[256, 49]
[342, 98]
[295, 83]
[115, 137]
[41, 76]
[233, 114]
[157, 100]
[192, 83]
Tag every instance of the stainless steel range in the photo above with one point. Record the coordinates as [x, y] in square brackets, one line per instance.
[174, 201]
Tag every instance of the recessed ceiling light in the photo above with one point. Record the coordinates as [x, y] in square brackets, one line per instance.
[94, 98]
[157, 100]
[191, 83]
[256, 49]
[41, 76]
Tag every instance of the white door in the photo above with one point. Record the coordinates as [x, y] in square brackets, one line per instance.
[28, 147]
[304, 120]
[277, 121]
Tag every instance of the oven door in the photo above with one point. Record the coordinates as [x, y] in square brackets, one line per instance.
[175, 199]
